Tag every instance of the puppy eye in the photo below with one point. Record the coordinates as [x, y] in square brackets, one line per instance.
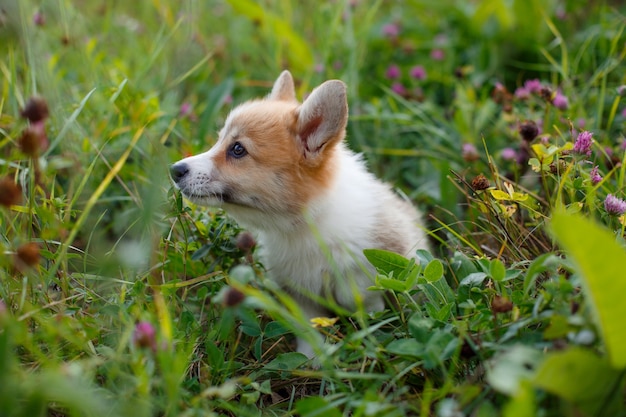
[237, 150]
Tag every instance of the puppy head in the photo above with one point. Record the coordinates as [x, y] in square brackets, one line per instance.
[272, 155]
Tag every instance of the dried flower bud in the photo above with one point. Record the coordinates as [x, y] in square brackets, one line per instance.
[528, 130]
[501, 304]
[480, 182]
[28, 254]
[546, 94]
[245, 241]
[500, 94]
[558, 167]
[10, 192]
[233, 297]
[33, 139]
[35, 110]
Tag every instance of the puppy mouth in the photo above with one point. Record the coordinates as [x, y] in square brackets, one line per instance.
[213, 198]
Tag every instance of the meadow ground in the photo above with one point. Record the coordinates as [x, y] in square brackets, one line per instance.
[503, 120]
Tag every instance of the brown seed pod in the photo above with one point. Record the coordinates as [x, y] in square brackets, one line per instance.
[245, 241]
[28, 254]
[10, 192]
[233, 297]
[33, 139]
[501, 304]
[480, 182]
[528, 130]
[35, 110]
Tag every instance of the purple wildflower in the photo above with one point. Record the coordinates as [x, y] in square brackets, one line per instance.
[39, 18]
[614, 205]
[621, 90]
[533, 86]
[469, 152]
[580, 122]
[624, 113]
[560, 101]
[319, 68]
[595, 177]
[437, 54]
[144, 335]
[398, 88]
[583, 143]
[418, 72]
[391, 30]
[185, 109]
[522, 93]
[3, 312]
[393, 72]
[508, 154]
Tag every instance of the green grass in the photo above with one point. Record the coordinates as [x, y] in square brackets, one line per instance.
[516, 312]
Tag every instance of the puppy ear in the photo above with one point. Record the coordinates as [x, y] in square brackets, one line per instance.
[283, 89]
[322, 118]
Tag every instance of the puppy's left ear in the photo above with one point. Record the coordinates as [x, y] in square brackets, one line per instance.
[283, 88]
[322, 118]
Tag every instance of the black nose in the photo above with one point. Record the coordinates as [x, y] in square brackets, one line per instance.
[178, 171]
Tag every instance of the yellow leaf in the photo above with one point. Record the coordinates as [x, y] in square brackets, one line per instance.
[499, 195]
[519, 196]
[323, 321]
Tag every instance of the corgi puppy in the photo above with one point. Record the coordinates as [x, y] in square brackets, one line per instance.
[281, 169]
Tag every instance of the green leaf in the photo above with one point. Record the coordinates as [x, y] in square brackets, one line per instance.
[274, 329]
[559, 327]
[600, 261]
[583, 378]
[249, 323]
[390, 283]
[287, 362]
[539, 265]
[420, 327]
[433, 271]
[316, 406]
[406, 347]
[474, 279]
[497, 270]
[385, 261]
[522, 403]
